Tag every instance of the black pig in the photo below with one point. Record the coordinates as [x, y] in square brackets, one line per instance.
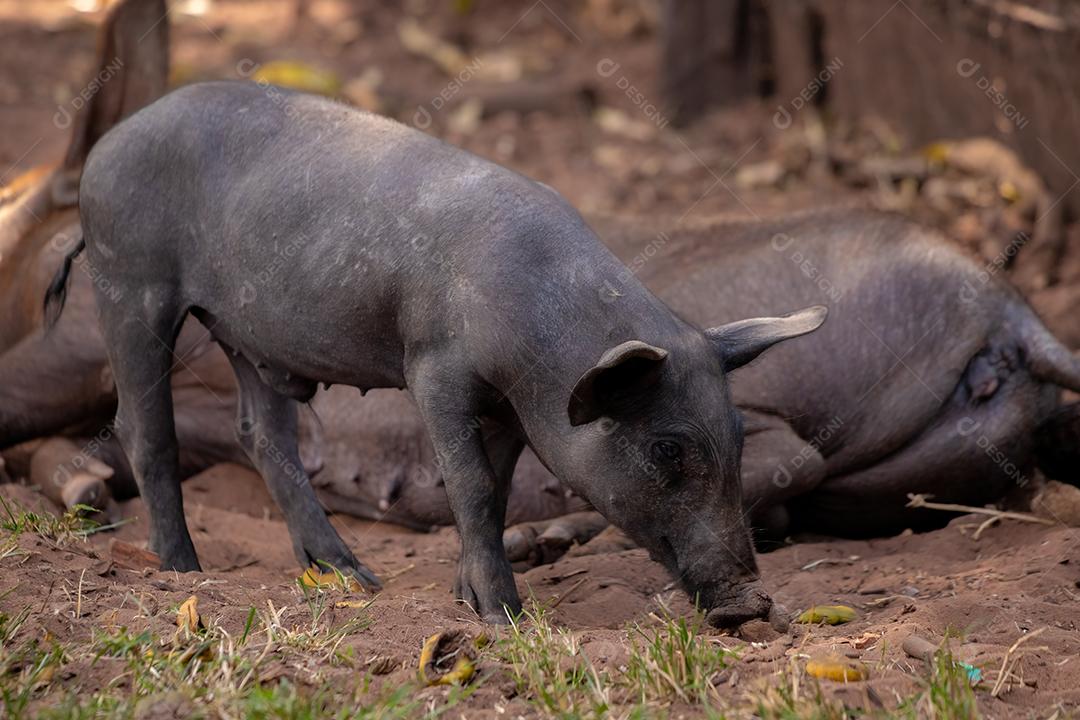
[318, 243]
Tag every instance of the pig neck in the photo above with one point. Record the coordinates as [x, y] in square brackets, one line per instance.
[592, 304]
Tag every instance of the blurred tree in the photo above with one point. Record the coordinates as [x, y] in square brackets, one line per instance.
[713, 52]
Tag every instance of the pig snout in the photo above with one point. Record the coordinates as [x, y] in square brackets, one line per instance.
[742, 604]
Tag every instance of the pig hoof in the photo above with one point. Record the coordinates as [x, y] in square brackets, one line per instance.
[85, 489]
[523, 544]
[501, 617]
[320, 551]
[353, 568]
[367, 579]
[496, 603]
[545, 541]
[180, 562]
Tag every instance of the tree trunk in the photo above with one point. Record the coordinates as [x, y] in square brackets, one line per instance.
[713, 52]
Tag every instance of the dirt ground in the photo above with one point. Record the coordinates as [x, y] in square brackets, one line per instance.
[601, 148]
[984, 594]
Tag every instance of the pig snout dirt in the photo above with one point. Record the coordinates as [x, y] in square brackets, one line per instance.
[747, 602]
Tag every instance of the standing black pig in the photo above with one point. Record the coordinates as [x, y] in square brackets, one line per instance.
[322, 244]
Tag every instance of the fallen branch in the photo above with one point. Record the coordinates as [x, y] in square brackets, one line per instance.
[566, 594]
[984, 525]
[850, 560]
[920, 501]
[1004, 673]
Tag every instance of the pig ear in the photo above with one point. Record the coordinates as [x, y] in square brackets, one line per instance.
[623, 369]
[742, 341]
[131, 71]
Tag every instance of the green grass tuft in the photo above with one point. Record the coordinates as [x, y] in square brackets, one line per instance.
[74, 524]
[675, 661]
[550, 669]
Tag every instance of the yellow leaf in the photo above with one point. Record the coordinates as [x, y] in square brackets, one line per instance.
[461, 674]
[46, 675]
[315, 579]
[827, 615]
[937, 152]
[1008, 191]
[840, 669]
[298, 76]
[202, 650]
[188, 615]
[437, 647]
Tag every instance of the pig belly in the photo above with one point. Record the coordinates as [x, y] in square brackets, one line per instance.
[293, 364]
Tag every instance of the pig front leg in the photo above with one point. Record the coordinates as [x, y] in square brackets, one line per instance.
[476, 470]
[267, 430]
[777, 465]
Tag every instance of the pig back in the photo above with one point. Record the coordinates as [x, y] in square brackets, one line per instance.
[903, 321]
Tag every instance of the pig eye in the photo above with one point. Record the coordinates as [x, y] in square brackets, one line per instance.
[666, 450]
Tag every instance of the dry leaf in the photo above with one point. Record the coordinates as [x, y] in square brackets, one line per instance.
[313, 578]
[356, 604]
[46, 675]
[864, 640]
[363, 91]
[188, 615]
[828, 615]
[134, 558]
[617, 122]
[298, 76]
[438, 651]
[465, 118]
[451, 59]
[834, 667]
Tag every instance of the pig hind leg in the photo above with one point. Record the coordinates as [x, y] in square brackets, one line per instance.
[267, 430]
[140, 352]
[476, 470]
